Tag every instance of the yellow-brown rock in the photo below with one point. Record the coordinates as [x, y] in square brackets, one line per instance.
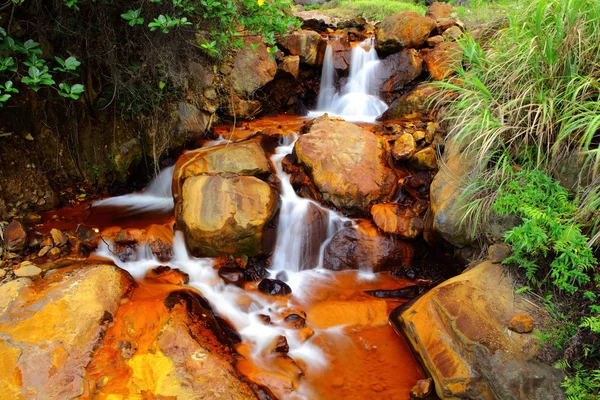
[50, 327]
[403, 68]
[291, 65]
[458, 330]
[391, 218]
[225, 216]
[404, 147]
[444, 60]
[347, 164]
[160, 240]
[439, 10]
[302, 43]
[425, 158]
[406, 29]
[415, 104]
[253, 67]
[15, 236]
[521, 323]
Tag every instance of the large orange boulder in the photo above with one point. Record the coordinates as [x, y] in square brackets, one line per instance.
[444, 60]
[406, 29]
[302, 43]
[347, 164]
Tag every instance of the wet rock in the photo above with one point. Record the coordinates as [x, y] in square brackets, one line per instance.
[452, 33]
[521, 323]
[305, 333]
[54, 252]
[255, 271]
[265, 319]
[432, 41]
[15, 237]
[392, 218]
[168, 275]
[302, 43]
[498, 253]
[126, 236]
[226, 216]
[443, 60]
[190, 120]
[342, 53]
[404, 66]
[232, 275]
[125, 252]
[274, 287]
[424, 159]
[408, 292]
[27, 268]
[252, 68]
[33, 218]
[44, 250]
[365, 247]
[51, 327]
[406, 29]
[328, 314]
[160, 239]
[243, 109]
[404, 147]
[422, 389]
[351, 179]
[295, 320]
[291, 65]
[415, 104]
[58, 237]
[438, 10]
[280, 345]
[458, 331]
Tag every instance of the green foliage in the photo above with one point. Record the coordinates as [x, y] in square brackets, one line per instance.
[165, 23]
[369, 9]
[584, 384]
[133, 17]
[72, 92]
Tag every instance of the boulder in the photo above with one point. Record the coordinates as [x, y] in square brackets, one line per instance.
[415, 104]
[291, 65]
[302, 43]
[241, 158]
[425, 158]
[452, 33]
[226, 215]
[458, 331]
[443, 60]
[438, 10]
[366, 248]
[252, 68]
[50, 327]
[391, 218]
[242, 109]
[15, 236]
[404, 67]
[191, 121]
[432, 41]
[347, 164]
[342, 53]
[406, 29]
[404, 147]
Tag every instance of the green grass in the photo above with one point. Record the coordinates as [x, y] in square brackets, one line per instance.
[374, 10]
[481, 11]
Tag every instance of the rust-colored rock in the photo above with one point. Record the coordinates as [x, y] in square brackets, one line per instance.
[347, 164]
[302, 43]
[391, 218]
[50, 328]
[438, 10]
[252, 68]
[365, 247]
[452, 33]
[521, 323]
[444, 60]
[168, 275]
[415, 104]
[422, 389]
[242, 109]
[291, 65]
[425, 158]
[498, 253]
[406, 29]
[458, 330]
[432, 41]
[404, 66]
[15, 236]
[160, 240]
[404, 147]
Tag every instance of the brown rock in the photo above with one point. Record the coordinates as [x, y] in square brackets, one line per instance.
[58, 237]
[443, 60]
[243, 109]
[432, 41]
[351, 179]
[54, 252]
[342, 53]
[291, 65]
[404, 147]
[405, 67]
[27, 268]
[51, 327]
[425, 158]
[415, 104]
[127, 236]
[160, 240]
[498, 253]
[302, 43]
[521, 323]
[391, 218]
[252, 68]
[422, 389]
[444, 24]
[280, 345]
[365, 247]
[191, 120]
[225, 216]
[439, 10]
[452, 33]
[168, 275]
[15, 236]
[406, 29]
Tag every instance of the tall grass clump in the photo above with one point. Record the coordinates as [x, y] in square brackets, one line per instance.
[526, 109]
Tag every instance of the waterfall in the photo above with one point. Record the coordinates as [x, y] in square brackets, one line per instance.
[358, 100]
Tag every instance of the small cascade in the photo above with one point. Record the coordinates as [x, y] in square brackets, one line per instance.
[358, 100]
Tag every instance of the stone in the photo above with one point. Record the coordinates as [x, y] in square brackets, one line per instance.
[352, 179]
[2, 273]
[291, 65]
[274, 287]
[404, 147]
[392, 218]
[51, 327]
[342, 52]
[190, 120]
[458, 331]
[241, 158]
[302, 43]
[232, 275]
[424, 159]
[54, 252]
[168, 275]
[521, 323]
[438, 10]
[452, 33]
[226, 216]
[406, 29]
[15, 237]
[243, 109]
[498, 253]
[160, 239]
[280, 345]
[364, 313]
[58, 237]
[422, 389]
[295, 321]
[403, 67]
[443, 60]
[27, 268]
[432, 41]
[412, 105]
[252, 68]
[364, 247]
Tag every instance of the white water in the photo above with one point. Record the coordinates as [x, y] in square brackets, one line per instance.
[358, 100]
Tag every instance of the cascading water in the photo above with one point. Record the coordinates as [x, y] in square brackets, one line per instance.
[358, 100]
